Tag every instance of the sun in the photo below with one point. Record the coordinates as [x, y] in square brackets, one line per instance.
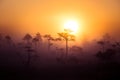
[71, 25]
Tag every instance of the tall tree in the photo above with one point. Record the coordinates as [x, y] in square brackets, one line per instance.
[67, 37]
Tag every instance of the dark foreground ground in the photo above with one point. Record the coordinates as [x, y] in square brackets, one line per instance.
[106, 71]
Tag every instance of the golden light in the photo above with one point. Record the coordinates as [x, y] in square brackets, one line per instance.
[71, 25]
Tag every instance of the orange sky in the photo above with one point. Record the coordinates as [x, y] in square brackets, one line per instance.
[18, 17]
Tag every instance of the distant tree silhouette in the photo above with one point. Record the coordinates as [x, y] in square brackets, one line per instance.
[49, 39]
[35, 41]
[27, 38]
[106, 53]
[67, 37]
[106, 38]
[58, 39]
[8, 39]
[77, 49]
[29, 50]
[39, 37]
[104, 41]
[116, 46]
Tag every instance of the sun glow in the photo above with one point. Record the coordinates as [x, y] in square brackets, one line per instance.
[72, 26]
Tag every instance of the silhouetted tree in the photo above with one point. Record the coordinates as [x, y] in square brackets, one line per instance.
[67, 37]
[39, 37]
[35, 41]
[8, 39]
[116, 46]
[29, 52]
[107, 55]
[104, 41]
[106, 38]
[77, 49]
[49, 39]
[27, 38]
[57, 39]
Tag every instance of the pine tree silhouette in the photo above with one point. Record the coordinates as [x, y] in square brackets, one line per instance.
[49, 39]
[67, 37]
[27, 38]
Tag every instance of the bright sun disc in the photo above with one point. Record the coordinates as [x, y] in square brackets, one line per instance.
[71, 25]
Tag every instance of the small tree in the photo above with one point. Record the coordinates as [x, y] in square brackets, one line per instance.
[106, 38]
[27, 38]
[49, 39]
[107, 55]
[107, 52]
[35, 41]
[39, 37]
[77, 49]
[29, 52]
[116, 46]
[104, 41]
[8, 39]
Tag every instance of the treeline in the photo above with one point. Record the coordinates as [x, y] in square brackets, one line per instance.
[33, 47]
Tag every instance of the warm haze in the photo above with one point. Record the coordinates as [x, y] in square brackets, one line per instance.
[60, 39]
[93, 17]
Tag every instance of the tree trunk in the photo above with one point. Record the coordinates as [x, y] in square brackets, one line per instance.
[66, 47]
